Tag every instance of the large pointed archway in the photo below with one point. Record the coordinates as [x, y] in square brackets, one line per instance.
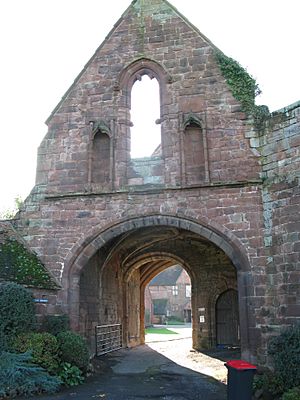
[109, 272]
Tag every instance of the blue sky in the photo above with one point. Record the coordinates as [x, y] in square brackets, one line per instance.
[45, 44]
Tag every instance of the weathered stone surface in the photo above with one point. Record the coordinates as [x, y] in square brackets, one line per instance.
[104, 224]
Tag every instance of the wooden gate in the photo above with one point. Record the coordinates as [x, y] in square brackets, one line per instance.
[227, 316]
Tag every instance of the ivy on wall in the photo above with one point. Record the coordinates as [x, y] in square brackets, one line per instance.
[244, 88]
[19, 265]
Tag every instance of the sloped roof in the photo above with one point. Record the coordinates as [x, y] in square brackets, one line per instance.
[168, 277]
[143, 4]
[6, 231]
[18, 263]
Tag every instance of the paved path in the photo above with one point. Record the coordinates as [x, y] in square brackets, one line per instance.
[178, 348]
[142, 373]
[160, 370]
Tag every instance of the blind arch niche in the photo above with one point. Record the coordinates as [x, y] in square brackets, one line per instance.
[100, 158]
[194, 151]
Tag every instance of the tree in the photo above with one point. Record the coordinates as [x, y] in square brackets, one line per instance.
[10, 213]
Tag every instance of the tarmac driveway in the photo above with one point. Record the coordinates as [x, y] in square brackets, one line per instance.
[162, 370]
[142, 373]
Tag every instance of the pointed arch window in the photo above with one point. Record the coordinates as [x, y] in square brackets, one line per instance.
[145, 110]
[144, 160]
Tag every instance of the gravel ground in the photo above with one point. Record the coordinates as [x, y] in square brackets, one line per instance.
[178, 348]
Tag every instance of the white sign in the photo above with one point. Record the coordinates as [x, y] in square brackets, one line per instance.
[202, 319]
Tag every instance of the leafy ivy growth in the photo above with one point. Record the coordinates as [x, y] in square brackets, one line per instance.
[18, 265]
[243, 87]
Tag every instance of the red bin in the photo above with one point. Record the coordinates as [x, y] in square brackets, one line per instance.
[240, 379]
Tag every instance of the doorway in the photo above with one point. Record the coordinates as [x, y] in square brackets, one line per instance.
[228, 319]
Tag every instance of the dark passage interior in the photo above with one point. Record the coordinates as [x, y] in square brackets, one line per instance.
[112, 285]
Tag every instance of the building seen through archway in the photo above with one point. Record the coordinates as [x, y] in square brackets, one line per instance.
[168, 297]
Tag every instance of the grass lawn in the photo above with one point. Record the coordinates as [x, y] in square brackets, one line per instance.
[160, 331]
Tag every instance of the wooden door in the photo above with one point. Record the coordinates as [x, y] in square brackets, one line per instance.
[227, 316]
[188, 315]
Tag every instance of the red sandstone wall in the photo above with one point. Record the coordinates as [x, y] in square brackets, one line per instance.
[56, 225]
[193, 83]
[53, 225]
[281, 195]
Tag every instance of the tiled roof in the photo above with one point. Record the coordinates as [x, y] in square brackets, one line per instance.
[168, 277]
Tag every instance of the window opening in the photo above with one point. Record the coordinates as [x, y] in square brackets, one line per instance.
[145, 110]
[175, 290]
[188, 291]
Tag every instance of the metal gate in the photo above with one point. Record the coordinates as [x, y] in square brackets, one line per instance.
[108, 338]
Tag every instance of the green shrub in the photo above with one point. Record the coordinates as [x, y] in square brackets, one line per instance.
[285, 351]
[19, 376]
[292, 394]
[73, 349]
[269, 383]
[259, 382]
[56, 324]
[70, 375]
[44, 348]
[16, 309]
[3, 341]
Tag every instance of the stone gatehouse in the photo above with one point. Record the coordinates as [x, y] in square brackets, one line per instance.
[220, 197]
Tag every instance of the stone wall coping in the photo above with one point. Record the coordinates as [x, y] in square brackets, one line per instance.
[288, 108]
[153, 190]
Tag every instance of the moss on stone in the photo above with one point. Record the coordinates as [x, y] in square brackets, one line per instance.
[18, 264]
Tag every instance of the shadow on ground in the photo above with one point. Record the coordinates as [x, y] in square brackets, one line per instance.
[224, 354]
[142, 373]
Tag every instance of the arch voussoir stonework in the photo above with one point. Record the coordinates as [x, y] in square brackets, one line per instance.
[81, 253]
[143, 66]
